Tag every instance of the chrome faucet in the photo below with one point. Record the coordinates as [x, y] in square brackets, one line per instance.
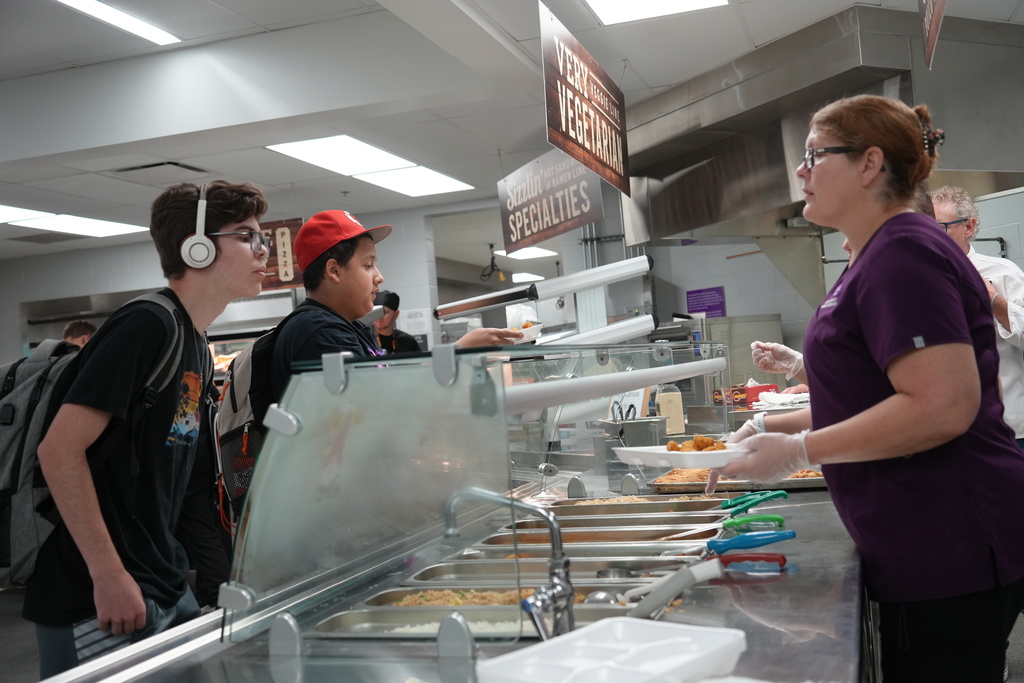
[558, 596]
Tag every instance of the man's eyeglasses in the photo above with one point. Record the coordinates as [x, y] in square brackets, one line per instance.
[810, 154]
[945, 226]
[257, 242]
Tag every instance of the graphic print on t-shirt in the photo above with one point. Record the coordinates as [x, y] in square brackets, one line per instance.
[185, 429]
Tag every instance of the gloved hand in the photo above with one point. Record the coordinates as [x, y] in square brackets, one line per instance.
[772, 357]
[770, 458]
[747, 429]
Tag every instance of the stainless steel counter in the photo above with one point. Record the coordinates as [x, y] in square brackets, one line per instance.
[804, 624]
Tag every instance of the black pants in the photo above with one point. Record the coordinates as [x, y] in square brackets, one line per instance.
[951, 640]
[206, 542]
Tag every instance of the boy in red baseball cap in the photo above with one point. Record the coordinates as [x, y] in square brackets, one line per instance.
[338, 258]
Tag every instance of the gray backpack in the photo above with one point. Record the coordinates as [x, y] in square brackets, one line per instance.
[33, 389]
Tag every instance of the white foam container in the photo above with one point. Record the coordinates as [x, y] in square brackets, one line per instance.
[622, 650]
[660, 456]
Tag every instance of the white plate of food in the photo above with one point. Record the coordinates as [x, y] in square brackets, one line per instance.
[529, 333]
[660, 456]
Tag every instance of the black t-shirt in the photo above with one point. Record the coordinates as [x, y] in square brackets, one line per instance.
[140, 510]
[399, 342]
[310, 334]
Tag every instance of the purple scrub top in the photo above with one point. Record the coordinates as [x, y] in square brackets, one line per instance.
[944, 522]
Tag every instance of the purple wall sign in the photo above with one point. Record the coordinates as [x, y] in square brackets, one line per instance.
[710, 301]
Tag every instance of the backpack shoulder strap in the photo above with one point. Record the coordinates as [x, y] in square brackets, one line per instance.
[161, 374]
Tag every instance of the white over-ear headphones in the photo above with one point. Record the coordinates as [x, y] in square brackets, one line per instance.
[198, 250]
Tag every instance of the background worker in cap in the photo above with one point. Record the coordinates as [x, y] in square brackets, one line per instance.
[390, 338]
[338, 258]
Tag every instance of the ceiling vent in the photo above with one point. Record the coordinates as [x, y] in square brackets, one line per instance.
[163, 173]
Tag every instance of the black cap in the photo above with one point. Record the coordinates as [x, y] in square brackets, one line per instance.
[386, 298]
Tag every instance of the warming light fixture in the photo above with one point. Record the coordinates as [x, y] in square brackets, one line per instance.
[527, 253]
[346, 155]
[618, 12]
[119, 19]
[76, 225]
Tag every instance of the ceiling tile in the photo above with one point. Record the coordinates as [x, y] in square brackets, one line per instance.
[260, 166]
[666, 52]
[98, 187]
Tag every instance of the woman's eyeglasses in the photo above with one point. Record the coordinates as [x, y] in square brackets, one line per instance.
[257, 242]
[810, 154]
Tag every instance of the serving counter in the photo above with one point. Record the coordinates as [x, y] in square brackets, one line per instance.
[381, 487]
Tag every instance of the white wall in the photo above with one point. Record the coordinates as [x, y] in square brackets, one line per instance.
[72, 273]
[1002, 215]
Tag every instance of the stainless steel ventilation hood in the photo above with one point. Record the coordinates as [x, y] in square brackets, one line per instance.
[712, 159]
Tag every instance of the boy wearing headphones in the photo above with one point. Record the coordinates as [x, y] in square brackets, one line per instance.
[112, 572]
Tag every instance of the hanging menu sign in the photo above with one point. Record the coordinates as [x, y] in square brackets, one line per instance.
[548, 196]
[931, 12]
[585, 109]
[282, 270]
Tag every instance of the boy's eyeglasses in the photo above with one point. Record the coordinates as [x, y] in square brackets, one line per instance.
[257, 242]
[810, 154]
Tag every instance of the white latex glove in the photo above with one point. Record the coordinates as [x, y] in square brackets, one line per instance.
[747, 429]
[772, 357]
[770, 458]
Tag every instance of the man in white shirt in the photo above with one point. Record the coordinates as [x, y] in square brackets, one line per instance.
[957, 214]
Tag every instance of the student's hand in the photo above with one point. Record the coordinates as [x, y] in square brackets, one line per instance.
[488, 336]
[772, 357]
[119, 603]
[769, 458]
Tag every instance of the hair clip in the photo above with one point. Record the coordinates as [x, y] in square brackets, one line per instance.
[932, 138]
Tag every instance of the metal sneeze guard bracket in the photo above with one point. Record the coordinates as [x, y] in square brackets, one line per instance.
[334, 372]
[445, 368]
[235, 596]
[285, 636]
[281, 420]
[456, 650]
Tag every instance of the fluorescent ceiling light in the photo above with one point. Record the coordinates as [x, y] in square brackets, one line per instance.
[526, 277]
[618, 12]
[76, 225]
[414, 182]
[342, 154]
[125, 22]
[527, 253]
[9, 214]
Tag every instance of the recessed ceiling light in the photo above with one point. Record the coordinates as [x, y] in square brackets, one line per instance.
[76, 225]
[9, 214]
[527, 253]
[125, 22]
[342, 154]
[525, 277]
[618, 12]
[414, 182]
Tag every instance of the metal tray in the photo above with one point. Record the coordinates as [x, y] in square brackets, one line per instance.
[656, 503]
[603, 534]
[380, 622]
[725, 486]
[535, 571]
[388, 598]
[575, 550]
[625, 520]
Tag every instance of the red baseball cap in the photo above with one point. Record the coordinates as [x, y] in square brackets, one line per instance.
[327, 228]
